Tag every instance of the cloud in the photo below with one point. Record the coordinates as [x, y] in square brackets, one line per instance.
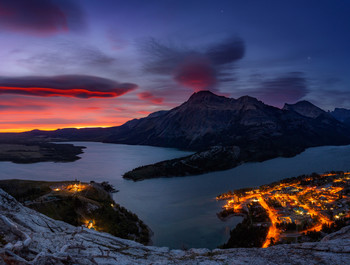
[160, 58]
[70, 56]
[116, 41]
[77, 86]
[150, 97]
[6, 107]
[195, 72]
[226, 52]
[144, 112]
[288, 88]
[330, 99]
[328, 92]
[195, 68]
[40, 17]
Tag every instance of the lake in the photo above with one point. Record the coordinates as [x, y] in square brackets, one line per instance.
[180, 211]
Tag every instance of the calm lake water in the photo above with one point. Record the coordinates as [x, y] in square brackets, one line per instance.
[180, 211]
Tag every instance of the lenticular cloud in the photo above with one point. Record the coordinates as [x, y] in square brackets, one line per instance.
[77, 86]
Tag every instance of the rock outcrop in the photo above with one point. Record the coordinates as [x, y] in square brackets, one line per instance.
[28, 237]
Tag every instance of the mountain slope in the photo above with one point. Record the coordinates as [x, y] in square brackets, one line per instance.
[342, 115]
[28, 237]
[207, 120]
[305, 108]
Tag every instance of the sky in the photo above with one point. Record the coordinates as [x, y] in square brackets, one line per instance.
[93, 63]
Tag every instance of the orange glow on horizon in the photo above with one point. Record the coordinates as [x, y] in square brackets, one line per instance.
[27, 129]
[22, 114]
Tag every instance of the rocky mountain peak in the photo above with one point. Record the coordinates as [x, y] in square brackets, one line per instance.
[305, 108]
[206, 97]
[202, 94]
[247, 99]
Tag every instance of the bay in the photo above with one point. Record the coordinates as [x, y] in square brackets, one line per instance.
[180, 211]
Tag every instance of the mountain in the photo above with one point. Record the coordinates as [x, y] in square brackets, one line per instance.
[207, 122]
[28, 237]
[342, 115]
[305, 108]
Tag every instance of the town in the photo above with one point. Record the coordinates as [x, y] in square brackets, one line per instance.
[297, 209]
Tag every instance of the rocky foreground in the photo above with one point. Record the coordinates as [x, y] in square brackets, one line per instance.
[28, 237]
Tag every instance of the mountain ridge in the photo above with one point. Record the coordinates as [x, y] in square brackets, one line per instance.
[201, 122]
[305, 108]
[199, 101]
[206, 121]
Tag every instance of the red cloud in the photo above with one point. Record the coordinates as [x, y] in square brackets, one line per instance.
[150, 97]
[51, 92]
[144, 112]
[39, 17]
[65, 86]
[190, 68]
[196, 73]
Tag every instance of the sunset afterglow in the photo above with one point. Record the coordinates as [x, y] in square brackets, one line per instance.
[124, 119]
[85, 64]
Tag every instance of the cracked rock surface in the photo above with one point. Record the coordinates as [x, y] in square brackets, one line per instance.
[29, 237]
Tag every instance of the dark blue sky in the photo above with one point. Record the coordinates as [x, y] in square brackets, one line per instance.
[154, 54]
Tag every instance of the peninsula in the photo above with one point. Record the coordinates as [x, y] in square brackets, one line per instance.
[29, 151]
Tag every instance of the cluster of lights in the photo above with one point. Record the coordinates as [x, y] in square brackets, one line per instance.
[72, 188]
[90, 224]
[330, 194]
